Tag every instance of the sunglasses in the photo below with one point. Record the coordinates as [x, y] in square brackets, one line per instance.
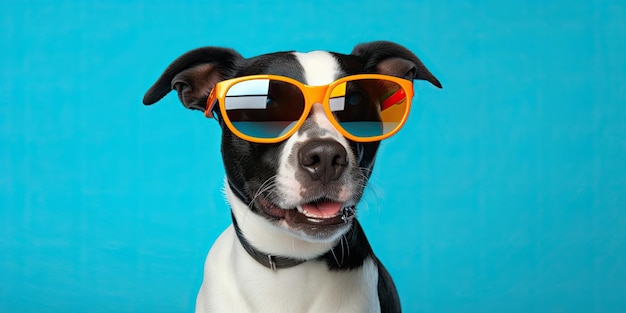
[270, 108]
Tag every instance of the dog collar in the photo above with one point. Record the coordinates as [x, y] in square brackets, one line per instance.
[272, 262]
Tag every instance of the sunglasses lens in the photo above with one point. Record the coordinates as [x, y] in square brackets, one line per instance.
[264, 108]
[368, 108]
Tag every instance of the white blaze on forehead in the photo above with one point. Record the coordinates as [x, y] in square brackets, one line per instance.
[320, 67]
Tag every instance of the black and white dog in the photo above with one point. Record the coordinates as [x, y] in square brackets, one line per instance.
[294, 245]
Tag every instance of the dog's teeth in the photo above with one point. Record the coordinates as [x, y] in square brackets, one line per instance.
[305, 212]
[300, 209]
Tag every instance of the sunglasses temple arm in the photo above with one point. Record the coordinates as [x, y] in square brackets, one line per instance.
[208, 113]
[210, 104]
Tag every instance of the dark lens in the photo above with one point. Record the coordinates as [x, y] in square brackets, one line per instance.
[369, 107]
[264, 108]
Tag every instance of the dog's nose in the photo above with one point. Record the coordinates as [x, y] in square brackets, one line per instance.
[324, 160]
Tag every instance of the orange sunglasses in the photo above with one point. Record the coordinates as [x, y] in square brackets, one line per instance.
[271, 108]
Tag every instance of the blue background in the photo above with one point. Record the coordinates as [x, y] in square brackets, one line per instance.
[505, 191]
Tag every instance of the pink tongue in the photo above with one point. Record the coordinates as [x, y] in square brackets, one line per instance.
[323, 209]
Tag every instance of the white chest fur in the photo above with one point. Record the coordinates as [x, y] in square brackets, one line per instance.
[235, 282]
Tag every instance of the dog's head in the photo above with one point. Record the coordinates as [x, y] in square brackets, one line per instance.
[308, 184]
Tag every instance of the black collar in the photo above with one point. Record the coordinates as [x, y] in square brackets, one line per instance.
[272, 262]
[349, 253]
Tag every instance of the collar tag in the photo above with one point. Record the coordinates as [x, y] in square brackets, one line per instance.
[270, 259]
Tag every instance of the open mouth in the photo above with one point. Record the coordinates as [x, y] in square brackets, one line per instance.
[321, 212]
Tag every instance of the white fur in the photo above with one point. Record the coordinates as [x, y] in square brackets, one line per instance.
[286, 183]
[314, 74]
[234, 282]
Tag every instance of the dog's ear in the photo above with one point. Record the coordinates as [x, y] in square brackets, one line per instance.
[388, 58]
[193, 75]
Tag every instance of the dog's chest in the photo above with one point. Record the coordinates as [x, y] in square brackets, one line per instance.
[240, 284]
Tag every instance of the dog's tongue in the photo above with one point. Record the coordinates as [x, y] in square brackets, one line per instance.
[323, 209]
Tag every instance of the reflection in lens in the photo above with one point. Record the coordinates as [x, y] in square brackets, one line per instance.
[264, 108]
[368, 107]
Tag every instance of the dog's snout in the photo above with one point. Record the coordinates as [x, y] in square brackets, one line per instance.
[324, 160]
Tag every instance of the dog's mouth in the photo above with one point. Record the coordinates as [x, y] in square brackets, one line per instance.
[321, 212]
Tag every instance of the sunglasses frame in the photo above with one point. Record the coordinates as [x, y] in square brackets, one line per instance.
[312, 95]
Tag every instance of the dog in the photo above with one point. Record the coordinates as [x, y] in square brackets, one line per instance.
[294, 244]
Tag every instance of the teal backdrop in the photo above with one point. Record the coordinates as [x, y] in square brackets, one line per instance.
[504, 192]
